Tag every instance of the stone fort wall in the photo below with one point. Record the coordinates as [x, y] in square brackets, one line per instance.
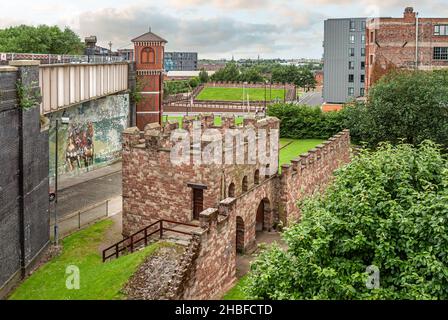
[153, 188]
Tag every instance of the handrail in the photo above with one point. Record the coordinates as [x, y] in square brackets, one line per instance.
[146, 235]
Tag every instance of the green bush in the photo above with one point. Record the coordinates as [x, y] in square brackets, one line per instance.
[304, 122]
[193, 82]
[387, 209]
[409, 106]
[175, 87]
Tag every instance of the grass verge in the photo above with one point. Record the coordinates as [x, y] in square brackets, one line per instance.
[98, 280]
[237, 293]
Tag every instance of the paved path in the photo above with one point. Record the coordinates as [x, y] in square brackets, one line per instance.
[311, 98]
[243, 261]
[92, 188]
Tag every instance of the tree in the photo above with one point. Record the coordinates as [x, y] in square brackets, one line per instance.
[387, 212]
[409, 105]
[305, 122]
[203, 76]
[40, 39]
[229, 73]
[251, 75]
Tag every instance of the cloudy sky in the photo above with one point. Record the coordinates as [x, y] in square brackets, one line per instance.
[214, 28]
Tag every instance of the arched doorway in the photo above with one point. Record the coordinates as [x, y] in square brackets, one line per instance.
[263, 212]
[245, 184]
[231, 193]
[239, 235]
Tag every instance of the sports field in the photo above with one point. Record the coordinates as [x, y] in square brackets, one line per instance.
[236, 94]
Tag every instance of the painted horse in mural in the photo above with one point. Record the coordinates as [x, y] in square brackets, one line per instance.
[72, 155]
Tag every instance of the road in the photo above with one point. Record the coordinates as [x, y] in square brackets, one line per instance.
[89, 193]
[311, 99]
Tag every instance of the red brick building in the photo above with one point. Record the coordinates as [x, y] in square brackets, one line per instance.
[407, 42]
[149, 55]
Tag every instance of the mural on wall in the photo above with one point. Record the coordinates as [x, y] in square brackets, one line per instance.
[92, 138]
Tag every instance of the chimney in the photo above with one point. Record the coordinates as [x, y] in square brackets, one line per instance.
[409, 14]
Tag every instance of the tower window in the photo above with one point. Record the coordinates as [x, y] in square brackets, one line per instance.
[148, 56]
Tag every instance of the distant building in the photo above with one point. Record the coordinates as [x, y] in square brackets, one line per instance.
[392, 43]
[211, 65]
[127, 54]
[181, 61]
[91, 49]
[319, 77]
[344, 59]
[184, 75]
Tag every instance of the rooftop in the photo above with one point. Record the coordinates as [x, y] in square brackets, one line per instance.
[148, 37]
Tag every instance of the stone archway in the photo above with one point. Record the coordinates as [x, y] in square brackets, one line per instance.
[231, 192]
[239, 235]
[263, 215]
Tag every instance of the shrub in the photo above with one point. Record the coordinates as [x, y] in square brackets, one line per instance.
[303, 122]
[175, 87]
[409, 106]
[387, 208]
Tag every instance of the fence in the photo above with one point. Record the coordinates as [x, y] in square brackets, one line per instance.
[58, 58]
[143, 237]
[80, 219]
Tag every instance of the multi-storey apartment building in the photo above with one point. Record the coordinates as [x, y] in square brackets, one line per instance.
[181, 61]
[407, 42]
[344, 59]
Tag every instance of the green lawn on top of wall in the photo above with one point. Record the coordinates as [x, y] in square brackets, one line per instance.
[98, 280]
[293, 148]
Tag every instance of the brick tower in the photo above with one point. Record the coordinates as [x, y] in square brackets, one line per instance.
[149, 52]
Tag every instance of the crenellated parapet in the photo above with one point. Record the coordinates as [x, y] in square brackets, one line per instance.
[160, 138]
[311, 171]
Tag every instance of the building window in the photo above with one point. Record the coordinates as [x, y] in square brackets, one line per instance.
[351, 78]
[371, 59]
[372, 36]
[362, 92]
[351, 91]
[352, 25]
[363, 65]
[147, 56]
[363, 26]
[351, 52]
[351, 65]
[363, 38]
[441, 30]
[363, 52]
[363, 78]
[441, 53]
[352, 39]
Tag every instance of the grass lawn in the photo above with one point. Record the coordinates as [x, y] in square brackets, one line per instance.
[98, 281]
[296, 148]
[236, 94]
[218, 120]
[237, 293]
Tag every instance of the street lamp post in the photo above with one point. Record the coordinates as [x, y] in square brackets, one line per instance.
[265, 96]
[64, 120]
[284, 92]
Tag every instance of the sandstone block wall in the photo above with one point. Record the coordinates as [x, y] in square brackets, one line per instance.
[155, 188]
[310, 172]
